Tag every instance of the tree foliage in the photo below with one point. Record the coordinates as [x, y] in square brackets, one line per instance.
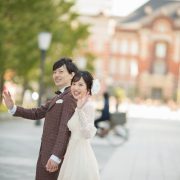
[21, 21]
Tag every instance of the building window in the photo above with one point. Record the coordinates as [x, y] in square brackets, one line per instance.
[124, 47]
[148, 9]
[176, 55]
[160, 50]
[159, 67]
[123, 67]
[133, 68]
[134, 48]
[162, 26]
[113, 66]
[114, 46]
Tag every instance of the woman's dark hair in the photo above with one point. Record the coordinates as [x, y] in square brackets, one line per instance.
[87, 77]
[71, 67]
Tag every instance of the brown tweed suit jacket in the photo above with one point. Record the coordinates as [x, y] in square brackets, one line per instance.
[55, 135]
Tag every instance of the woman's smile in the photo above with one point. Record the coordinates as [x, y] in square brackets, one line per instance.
[79, 89]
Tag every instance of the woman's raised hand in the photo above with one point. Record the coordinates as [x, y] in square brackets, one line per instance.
[82, 100]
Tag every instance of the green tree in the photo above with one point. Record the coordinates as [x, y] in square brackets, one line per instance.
[22, 20]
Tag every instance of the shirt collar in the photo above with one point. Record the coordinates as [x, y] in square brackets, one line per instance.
[63, 89]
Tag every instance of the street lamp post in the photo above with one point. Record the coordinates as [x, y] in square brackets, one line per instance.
[44, 40]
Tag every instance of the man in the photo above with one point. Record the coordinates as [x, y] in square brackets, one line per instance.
[57, 112]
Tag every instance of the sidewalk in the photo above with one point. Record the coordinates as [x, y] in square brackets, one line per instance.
[152, 153]
[19, 147]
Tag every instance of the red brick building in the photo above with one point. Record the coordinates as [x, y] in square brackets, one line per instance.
[145, 51]
[101, 30]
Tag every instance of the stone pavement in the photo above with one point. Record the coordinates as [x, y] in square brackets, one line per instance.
[152, 153]
[19, 146]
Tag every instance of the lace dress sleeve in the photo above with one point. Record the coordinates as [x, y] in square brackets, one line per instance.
[86, 117]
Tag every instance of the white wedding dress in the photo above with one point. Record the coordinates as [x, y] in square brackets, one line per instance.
[79, 161]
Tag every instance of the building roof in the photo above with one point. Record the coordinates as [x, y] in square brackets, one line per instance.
[171, 8]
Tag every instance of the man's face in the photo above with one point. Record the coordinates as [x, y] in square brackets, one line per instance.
[62, 77]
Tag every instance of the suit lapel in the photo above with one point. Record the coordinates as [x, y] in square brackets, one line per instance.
[52, 103]
[58, 97]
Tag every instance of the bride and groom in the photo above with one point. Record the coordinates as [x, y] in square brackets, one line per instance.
[65, 151]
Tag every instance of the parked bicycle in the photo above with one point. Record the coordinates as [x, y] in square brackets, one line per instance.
[114, 130]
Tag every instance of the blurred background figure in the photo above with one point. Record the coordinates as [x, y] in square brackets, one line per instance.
[105, 115]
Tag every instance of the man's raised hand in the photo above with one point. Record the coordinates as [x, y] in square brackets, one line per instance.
[8, 99]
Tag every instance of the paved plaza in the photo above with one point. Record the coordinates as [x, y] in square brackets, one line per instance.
[19, 147]
[151, 153]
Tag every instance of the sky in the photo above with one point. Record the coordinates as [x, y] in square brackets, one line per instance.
[123, 8]
[114, 7]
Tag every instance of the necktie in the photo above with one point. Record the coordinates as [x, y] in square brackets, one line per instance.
[58, 92]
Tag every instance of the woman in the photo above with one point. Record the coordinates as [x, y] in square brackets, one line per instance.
[79, 161]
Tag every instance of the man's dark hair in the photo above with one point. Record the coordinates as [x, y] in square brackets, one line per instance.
[71, 67]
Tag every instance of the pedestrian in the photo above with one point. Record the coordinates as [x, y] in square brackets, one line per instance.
[79, 161]
[105, 115]
[56, 112]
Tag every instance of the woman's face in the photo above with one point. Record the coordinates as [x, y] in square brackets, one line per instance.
[79, 89]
